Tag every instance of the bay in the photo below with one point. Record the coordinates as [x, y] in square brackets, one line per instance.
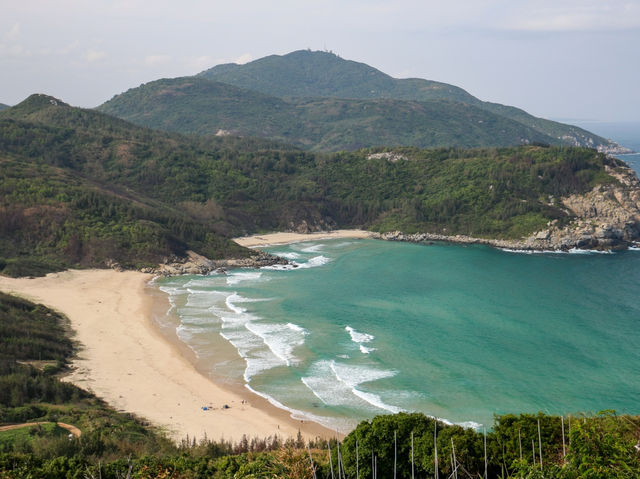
[459, 332]
[364, 327]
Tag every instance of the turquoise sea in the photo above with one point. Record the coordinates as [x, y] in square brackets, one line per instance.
[365, 327]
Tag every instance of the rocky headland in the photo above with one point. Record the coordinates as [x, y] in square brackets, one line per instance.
[605, 218]
[194, 263]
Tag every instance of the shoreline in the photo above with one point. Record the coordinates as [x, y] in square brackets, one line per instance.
[280, 238]
[126, 360]
[538, 243]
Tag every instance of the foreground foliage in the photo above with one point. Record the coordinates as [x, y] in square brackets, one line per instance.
[116, 445]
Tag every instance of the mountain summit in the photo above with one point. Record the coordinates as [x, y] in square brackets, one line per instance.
[321, 102]
[305, 73]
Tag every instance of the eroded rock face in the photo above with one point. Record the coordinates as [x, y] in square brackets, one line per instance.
[194, 263]
[605, 218]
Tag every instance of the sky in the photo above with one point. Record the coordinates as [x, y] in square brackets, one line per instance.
[562, 59]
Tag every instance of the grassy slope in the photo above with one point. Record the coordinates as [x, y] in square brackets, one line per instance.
[321, 74]
[196, 105]
[68, 194]
[29, 332]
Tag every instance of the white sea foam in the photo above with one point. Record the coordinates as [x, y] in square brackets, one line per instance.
[234, 297]
[314, 248]
[171, 293]
[532, 251]
[589, 251]
[204, 282]
[311, 263]
[262, 345]
[281, 267]
[376, 401]
[354, 376]
[237, 277]
[557, 251]
[314, 262]
[299, 415]
[286, 254]
[281, 339]
[358, 337]
[295, 327]
[336, 384]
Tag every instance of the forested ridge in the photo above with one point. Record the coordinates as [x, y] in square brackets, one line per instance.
[81, 188]
[321, 102]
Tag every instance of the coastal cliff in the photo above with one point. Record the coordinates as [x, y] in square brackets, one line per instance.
[194, 263]
[605, 218]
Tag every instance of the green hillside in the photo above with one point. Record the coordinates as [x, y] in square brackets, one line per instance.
[3, 106]
[69, 195]
[79, 187]
[196, 105]
[321, 74]
[305, 73]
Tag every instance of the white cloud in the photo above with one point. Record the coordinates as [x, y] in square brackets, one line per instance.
[93, 56]
[156, 60]
[244, 58]
[573, 16]
[13, 33]
[15, 51]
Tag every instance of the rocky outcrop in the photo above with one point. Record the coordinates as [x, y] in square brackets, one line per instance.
[605, 218]
[388, 155]
[194, 263]
[613, 148]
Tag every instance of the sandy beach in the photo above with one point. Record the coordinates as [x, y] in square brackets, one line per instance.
[126, 361]
[284, 238]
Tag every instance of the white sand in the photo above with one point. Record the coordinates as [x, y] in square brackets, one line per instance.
[284, 238]
[129, 364]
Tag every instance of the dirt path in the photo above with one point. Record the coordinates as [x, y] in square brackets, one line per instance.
[72, 429]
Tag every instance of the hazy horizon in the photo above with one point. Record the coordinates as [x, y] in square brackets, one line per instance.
[563, 59]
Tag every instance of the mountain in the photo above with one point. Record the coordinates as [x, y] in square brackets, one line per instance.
[305, 73]
[320, 102]
[197, 105]
[3, 106]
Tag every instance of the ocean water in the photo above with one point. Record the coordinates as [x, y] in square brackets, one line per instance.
[364, 327]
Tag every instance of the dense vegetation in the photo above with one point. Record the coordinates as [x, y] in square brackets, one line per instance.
[197, 105]
[318, 101]
[82, 188]
[323, 74]
[3, 106]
